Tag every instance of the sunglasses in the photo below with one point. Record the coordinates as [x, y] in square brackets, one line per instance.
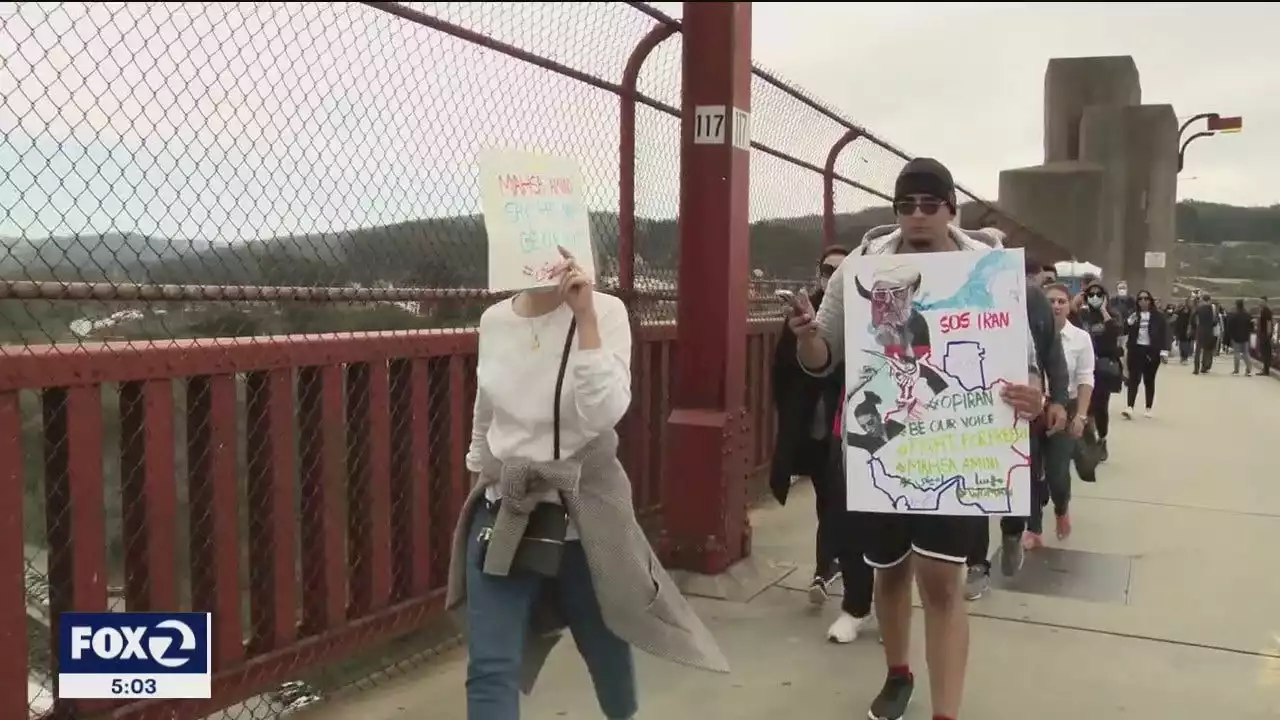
[883, 296]
[909, 207]
[826, 270]
[1143, 297]
[1095, 295]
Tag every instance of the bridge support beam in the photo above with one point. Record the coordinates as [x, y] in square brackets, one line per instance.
[1138, 148]
[1064, 201]
[704, 519]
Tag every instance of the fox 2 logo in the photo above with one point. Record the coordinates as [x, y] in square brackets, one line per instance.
[134, 653]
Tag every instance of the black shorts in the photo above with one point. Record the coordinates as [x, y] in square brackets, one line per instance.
[891, 537]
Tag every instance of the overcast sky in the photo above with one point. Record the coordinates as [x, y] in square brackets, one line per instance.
[963, 81]
[224, 121]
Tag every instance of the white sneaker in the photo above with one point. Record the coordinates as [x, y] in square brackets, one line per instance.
[846, 628]
[1148, 414]
[1127, 413]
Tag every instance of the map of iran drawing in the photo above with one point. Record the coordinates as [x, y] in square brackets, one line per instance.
[929, 341]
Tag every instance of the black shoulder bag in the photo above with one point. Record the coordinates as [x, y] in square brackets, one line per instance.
[541, 548]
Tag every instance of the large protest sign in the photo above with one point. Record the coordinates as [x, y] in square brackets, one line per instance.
[532, 204]
[929, 341]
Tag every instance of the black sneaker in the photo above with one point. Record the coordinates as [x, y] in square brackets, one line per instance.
[1011, 554]
[1102, 451]
[891, 703]
[819, 589]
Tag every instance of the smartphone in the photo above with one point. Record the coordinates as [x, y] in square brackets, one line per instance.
[791, 300]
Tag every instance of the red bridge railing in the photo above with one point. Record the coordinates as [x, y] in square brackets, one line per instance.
[240, 273]
[330, 538]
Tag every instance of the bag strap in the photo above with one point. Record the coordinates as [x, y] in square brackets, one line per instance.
[564, 363]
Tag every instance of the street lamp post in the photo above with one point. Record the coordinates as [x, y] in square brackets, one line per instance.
[1216, 124]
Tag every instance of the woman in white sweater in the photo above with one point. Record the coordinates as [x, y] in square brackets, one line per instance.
[548, 538]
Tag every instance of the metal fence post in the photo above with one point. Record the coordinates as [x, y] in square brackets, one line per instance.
[627, 157]
[704, 524]
[829, 186]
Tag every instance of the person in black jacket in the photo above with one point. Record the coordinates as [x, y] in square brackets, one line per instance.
[806, 407]
[1204, 321]
[1238, 331]
[1053, 370]
[1146, 332]
[1096, 319]
[1182, 329]
[1266, 328]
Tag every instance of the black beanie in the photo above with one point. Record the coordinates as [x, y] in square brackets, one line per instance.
[926, 176]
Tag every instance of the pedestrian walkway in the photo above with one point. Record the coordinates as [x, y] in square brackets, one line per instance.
[1187, 511]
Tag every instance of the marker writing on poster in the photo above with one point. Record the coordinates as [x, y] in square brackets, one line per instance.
[544, 211]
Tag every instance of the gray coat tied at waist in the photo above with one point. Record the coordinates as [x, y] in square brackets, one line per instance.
[639, 601]
[522, 485]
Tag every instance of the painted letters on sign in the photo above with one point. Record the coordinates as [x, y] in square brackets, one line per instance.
[532, 205]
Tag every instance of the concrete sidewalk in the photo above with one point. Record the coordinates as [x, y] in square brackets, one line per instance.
[1179, 537]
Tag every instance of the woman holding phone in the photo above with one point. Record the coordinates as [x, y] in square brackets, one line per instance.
[806, 408]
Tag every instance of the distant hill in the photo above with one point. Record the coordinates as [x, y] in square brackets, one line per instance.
[114, 256]
[1215, 223]
[451, 252]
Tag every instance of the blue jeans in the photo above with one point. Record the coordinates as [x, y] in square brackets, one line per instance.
[498, 613]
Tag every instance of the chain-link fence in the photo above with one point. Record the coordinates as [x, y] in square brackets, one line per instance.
[242, 252]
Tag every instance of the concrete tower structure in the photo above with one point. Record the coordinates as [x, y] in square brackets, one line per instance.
[1108, 187]
[1138, 147]
[1064, 201]
[1073, 84]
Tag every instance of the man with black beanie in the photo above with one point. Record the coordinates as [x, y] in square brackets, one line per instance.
[930, 548]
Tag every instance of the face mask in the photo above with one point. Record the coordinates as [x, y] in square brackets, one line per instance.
[1095, 301]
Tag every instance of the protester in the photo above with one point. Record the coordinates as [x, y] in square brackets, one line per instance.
[1122, 305]
[1238, 332]
[1049, 356]
[806, 407]
[1266, 333]
[932, 548]
[1108, 378]
[1182, 329]
[1204, 327]
[1077, 348]
[847, 535]
[1219, 331]
[550, 509]
[1144, 348]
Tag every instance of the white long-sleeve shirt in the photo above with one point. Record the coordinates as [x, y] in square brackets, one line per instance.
[1077, 348]
[518, 360]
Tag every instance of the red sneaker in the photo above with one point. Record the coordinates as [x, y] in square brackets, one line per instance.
[1064, 526]
[1032, 541]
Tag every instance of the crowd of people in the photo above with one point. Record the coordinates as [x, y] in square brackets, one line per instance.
[1203, 329]
[1089, 346]
[547, 539]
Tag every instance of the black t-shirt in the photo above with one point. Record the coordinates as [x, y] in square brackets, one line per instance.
[1104, 331]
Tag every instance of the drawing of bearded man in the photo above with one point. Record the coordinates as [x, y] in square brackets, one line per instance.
[897, 326]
